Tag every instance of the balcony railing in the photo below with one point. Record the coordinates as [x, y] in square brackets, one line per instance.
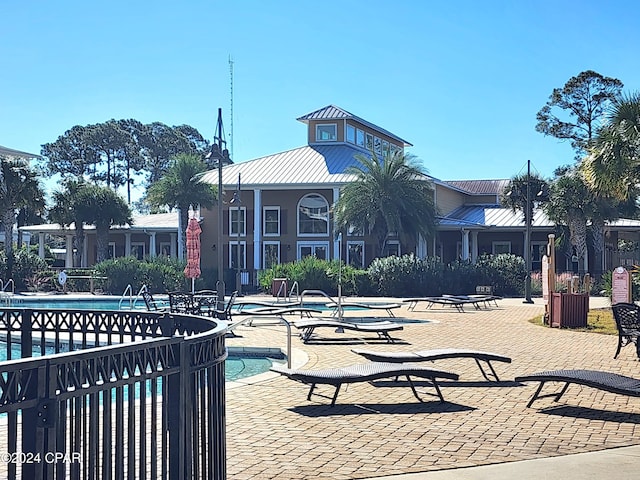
[111, 395]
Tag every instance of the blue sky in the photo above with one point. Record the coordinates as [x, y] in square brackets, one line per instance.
[462, 80]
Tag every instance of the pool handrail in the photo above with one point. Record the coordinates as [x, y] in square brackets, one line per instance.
[235, 324]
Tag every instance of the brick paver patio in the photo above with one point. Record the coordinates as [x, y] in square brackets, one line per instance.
[273, 432]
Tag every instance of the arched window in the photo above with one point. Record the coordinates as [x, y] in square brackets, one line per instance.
[313, 215]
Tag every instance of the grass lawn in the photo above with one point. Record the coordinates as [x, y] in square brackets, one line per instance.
[599, 320]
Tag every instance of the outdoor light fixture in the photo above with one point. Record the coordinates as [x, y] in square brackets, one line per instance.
[221, 156]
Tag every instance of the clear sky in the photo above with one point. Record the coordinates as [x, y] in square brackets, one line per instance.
[460, 80]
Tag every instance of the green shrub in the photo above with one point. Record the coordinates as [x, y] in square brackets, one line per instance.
[159, 274]
[27, 266]
[312, 273]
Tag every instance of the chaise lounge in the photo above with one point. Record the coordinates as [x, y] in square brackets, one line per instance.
[609, 382]
[388, 307]
[439, 354]
[366, 373]
[307, 327]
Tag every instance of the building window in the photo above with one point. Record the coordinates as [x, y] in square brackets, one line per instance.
[385, 148]
[112, 250]
[360, 138]
[377, 146]
[538, 250]
[271, 219]
[237, 221]
[138, 250]
[392, 248]
[500, 247]
[355, 254]
[270, 254]
[165, 249]
[313, 215]
[351, 134]
[326, 133]
[368, 142]
[317, 249]
[233, 255]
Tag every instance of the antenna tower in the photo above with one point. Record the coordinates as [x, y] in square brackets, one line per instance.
[231, 110]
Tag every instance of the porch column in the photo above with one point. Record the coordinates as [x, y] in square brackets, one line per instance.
[174, 240]
[41, 244]
[474, 246]
[152, 244]
[465, 245]
[257, 229]
[336, 242]
[127, 244]
[68, 261]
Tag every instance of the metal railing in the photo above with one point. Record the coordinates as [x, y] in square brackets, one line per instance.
[278, 318]
[111, 394]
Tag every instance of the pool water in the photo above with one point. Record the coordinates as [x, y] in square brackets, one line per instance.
[236, 367]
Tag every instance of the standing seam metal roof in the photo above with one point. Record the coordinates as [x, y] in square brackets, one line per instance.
[331, 112]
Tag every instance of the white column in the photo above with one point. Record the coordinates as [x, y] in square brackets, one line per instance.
[465, 245]
[152, 244]
[68, 261]
[257, 229]
[41, 244]
[127, 244]
[174, 242]
[474, 246]
[85, 251]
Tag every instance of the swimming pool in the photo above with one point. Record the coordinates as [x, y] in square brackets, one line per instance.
[236, 366]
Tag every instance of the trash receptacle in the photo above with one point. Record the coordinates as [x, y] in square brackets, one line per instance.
[569, 310]
[279, 286]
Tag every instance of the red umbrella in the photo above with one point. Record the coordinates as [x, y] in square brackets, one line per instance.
[192, 270]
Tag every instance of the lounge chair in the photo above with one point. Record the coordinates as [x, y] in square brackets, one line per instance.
[431, 301]
[389, 307]
[439, 354]
[307, 327]
[366, 372]
[241, 305]
[627, 317]
[609, 382]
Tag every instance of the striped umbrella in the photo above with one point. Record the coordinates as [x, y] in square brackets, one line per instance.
[192, 270]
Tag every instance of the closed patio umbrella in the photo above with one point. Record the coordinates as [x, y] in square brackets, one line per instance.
[192, 270]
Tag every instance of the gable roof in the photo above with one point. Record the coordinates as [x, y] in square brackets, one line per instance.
[318, 165]
[331, 112]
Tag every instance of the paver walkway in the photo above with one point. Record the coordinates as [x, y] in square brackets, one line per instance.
[273, 432]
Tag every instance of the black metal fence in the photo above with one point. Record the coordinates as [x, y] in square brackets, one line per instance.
[111, 395]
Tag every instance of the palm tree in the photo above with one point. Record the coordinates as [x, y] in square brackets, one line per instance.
[19, 188]
[523, 190]
[180, 187]
[388, 195]
[69, 206]
[613, 165]
[108, 209]
[571, 203]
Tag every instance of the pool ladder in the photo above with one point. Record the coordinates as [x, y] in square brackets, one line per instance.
[7, 296]
[127, 296]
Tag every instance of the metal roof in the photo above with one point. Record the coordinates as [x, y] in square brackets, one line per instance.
[331, 112]
[320, 165]
[480, 187]
[482, 217]
[155, 222]
[10, 152]
[478, 216]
